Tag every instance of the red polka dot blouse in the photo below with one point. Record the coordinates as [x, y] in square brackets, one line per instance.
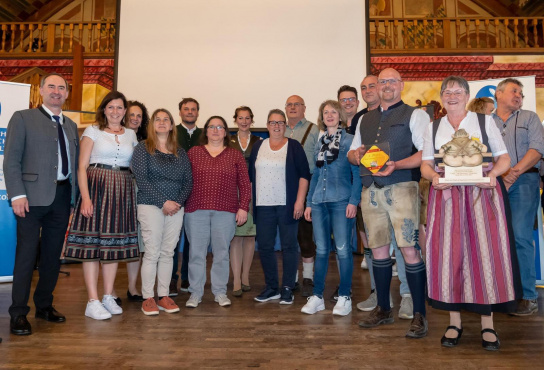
[219, 183]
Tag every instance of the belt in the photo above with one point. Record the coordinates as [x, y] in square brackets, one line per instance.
[532, 170]
[108, 167]
[63, 182]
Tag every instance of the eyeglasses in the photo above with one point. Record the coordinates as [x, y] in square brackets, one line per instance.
[456, 93]
[218, 127]
[278, 123]
[296, 105]
[351, 100]
[391, 81]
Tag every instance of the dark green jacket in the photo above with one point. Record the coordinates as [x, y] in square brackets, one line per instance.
[186, 141]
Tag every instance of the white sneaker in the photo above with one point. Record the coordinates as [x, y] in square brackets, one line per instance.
[109, 303]
[343, 306]
[395, 271]
[315, 304]
[193, 301]
[364, 264]
[222, 300]
[371, 302]
[95, 310]
[406, 310]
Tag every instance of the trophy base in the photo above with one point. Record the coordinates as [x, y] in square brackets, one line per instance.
[463, 176]
[461, 181]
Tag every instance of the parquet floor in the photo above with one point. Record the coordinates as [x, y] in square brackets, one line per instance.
[256, 335]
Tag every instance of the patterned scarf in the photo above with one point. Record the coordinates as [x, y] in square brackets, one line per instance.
[330, 147]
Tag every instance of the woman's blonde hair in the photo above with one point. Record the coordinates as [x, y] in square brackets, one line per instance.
[478, 104]
[152, 139]
[337, 107]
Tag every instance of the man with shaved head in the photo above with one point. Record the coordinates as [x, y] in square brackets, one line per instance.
[390, 197]
[369, 93]
[306, 133]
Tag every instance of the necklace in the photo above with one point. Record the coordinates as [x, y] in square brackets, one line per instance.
[240, 142]
[115, 131]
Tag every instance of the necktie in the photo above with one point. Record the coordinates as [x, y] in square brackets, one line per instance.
[62, 143]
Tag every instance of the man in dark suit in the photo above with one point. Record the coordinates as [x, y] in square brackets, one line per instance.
[40, 161]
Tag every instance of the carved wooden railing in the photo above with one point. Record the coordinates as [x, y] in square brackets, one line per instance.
[36, 39]
[456, 35]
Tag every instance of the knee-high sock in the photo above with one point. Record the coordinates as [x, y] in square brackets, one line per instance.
[382, 277]
[417, 279]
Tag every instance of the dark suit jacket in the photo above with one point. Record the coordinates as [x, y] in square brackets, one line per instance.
[31, 159]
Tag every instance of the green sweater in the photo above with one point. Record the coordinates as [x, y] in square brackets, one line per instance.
[185, 140]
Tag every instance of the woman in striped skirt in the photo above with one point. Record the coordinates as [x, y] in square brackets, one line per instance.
[470, 260]
[104, 227]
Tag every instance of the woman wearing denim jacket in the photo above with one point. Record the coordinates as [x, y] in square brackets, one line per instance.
[335, 192]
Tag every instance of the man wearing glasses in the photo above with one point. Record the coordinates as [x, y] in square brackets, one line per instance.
[306, 133]
[523, 136]
[390, 197]
[347, 97]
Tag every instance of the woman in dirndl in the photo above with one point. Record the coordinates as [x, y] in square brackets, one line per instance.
[242, 246]
[471, 260]
[104, 226]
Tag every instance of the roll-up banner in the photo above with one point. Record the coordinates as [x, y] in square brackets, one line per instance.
[13, 97]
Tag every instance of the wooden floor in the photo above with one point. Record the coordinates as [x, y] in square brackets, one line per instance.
[257, 335]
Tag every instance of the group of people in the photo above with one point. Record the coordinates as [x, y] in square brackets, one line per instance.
[146, 185]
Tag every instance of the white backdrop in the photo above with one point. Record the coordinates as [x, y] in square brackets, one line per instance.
[487, 88]
[13, 97]
[239, 52]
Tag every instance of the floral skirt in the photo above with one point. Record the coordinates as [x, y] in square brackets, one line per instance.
[111, 234]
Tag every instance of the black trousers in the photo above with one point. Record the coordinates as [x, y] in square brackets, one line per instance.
[52, 221]
[306, 238]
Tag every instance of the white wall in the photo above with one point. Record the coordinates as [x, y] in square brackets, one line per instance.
[239, 52]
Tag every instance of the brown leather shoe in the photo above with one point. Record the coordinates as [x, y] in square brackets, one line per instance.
[418, 327]
[377, 317]
[526, 307]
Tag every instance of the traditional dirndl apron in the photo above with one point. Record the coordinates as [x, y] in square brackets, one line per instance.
[470, 252]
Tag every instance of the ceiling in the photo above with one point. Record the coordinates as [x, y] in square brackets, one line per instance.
[30, 10]
[41, 10]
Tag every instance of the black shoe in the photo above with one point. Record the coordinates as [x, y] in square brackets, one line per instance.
[490, 346]
[297, 286]
[307, 287]
[173, 288]
[184, 286]
[118, 301]
[286, 296]
[135, 297]
[20, 326]
[50, 314]
[452, 342]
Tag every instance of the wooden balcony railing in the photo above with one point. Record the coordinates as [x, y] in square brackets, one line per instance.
[37, 39]
[456, 35]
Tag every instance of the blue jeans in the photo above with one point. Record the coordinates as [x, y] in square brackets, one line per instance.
[269, 219]
[524, 196]
[330, 218]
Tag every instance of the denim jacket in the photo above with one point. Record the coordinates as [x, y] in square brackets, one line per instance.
[338, 181]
